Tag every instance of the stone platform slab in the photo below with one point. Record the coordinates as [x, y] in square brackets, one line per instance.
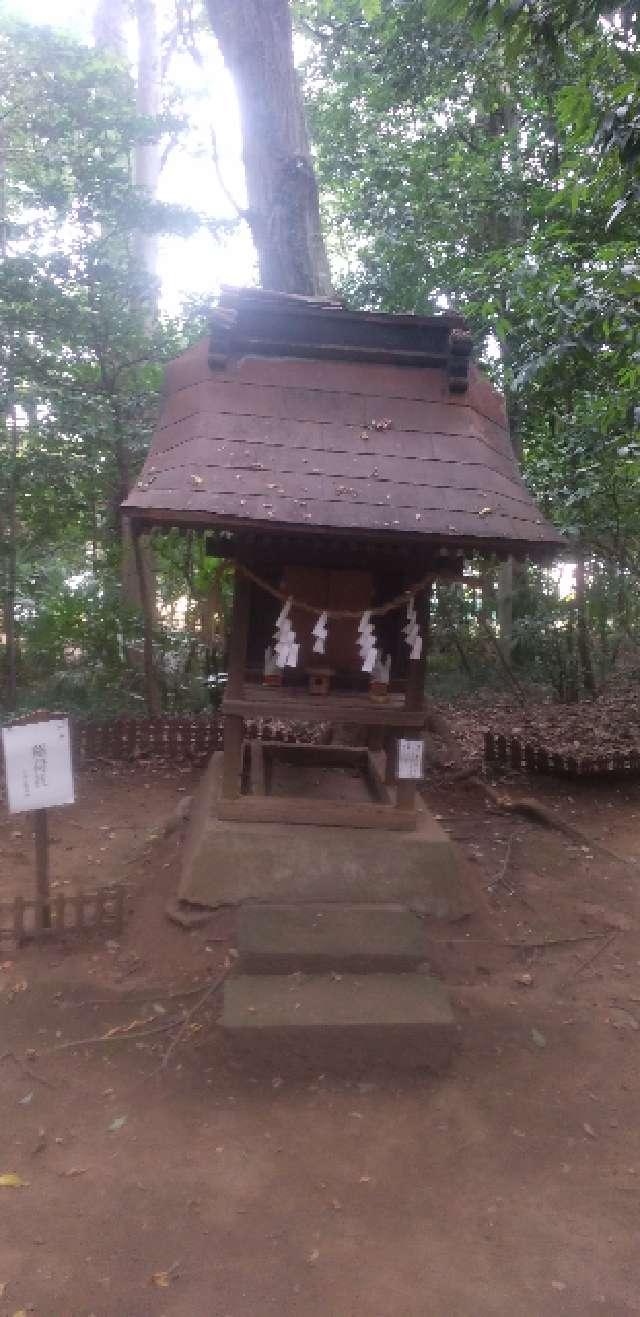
[226, 863]
[344, 1023]
[279, 939]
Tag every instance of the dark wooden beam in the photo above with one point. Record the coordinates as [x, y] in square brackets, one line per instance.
[414, 696]
[315, 813]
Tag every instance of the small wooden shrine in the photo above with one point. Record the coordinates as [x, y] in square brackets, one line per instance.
[344, 461]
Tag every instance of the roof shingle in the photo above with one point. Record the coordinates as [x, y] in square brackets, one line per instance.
[336, 445]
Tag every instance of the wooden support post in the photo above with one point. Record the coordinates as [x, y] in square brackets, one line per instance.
[234, 724]
[414, 694]
[232, 756]
[43, 895]
[152, 689]
[258, 773]
[405, 795]
[239, 631]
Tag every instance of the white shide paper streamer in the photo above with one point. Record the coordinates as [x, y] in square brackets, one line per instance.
[367, 642]
[411, 631]
[287, 649]
[319, 634]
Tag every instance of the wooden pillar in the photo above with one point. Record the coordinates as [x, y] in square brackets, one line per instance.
[414, 694]
[43, 894]
[233, 723]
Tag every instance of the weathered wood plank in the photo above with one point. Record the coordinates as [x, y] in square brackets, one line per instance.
[257, 768]
[406, 795]
[375, 772]
[334, 756]
[262, 702]
[317, 813]
[232, 760]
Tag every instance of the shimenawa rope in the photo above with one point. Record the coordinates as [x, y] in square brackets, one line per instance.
[337, 614]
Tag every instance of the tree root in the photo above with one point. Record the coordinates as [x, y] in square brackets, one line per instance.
[530, 808]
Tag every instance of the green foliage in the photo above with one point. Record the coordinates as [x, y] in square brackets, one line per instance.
[458, 169]
[81, 348]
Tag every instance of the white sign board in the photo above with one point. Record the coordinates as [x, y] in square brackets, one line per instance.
[410, 760]
[37, 760]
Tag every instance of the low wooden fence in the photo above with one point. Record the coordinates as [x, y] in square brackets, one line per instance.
[534, 759]
[101, 912]
[172, 738]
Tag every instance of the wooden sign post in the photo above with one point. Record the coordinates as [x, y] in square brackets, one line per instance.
[39, 775]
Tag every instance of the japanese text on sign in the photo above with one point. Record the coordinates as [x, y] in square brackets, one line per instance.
[410, 759]
[38, 765]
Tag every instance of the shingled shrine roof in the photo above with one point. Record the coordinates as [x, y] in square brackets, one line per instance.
[299, 415]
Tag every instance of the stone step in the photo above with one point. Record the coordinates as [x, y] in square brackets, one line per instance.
[279, 939]
[339, 1022]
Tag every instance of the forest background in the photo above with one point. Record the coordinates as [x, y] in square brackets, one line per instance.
[482, 155]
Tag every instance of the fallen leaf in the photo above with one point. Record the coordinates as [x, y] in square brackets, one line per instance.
[73, 1171]
[163, 1279]
[20, 1312]
[538, 1038]
[9, 1180]
[117, 1124]
[623, 1020]
[24, 1101]
[588, 1129]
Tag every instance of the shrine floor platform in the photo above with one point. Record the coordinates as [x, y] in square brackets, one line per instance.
[227, 862]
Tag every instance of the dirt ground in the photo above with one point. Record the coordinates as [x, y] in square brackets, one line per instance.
[507, 1187]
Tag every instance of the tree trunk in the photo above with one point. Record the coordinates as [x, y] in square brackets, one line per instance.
[137, 572]
[10, 509]
[505, 604]
[153, 692]
[487, 592]
[10, 628]
[109, 23]
[582, 629]
[255, 37]
[146, 169]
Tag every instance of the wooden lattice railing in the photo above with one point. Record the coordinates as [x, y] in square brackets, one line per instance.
[535, 759]
[172, 738]
[100, 912]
